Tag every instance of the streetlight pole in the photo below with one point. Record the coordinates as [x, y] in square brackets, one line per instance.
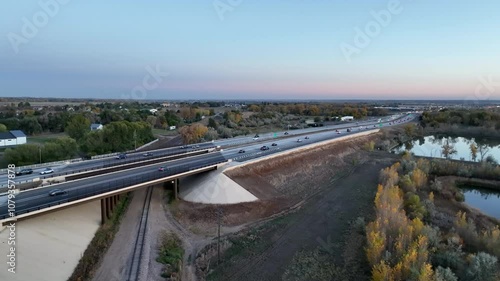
[135, 140]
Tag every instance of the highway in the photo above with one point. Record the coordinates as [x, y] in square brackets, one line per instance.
[104, 163]
[138, 156]
[30, 200]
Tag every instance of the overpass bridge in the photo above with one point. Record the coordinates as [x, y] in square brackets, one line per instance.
[106, 188]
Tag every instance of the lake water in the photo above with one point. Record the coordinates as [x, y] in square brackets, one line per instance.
[486, 201]
[431, 146]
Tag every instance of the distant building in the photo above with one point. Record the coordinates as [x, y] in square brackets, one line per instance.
[12, 138]
[153, 110]
[346, 118]
[95, 127]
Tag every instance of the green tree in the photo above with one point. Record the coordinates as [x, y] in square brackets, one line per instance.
[3, 128]
[21, 155]
[77, 127]
[30, 126]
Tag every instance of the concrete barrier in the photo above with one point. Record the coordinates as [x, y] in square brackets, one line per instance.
[34, 166]
[147, 144]
[301, 148]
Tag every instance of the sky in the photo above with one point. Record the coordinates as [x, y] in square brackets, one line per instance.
[242, 49]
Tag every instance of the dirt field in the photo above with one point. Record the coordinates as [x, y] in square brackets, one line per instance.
[303, 228]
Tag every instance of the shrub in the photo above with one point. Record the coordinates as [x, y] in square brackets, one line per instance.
[370, 146]
[445, 274]
[449, 259]
[414, 206]
[407, 184]
[389, 176]
[419, 178]
[436, 186]
[482, 268]
[459, 196]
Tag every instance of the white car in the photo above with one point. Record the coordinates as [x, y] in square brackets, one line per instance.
[46, 171]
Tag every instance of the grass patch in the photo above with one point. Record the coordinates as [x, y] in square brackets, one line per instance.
[99, 244]
[248, 244]
[41, 139]
[170, 254]
[163, 132]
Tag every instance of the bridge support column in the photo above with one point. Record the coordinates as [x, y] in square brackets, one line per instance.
[104, 216]
[176, 189]
[108, 208]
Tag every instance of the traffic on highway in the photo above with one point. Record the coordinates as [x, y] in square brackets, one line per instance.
[250, 147]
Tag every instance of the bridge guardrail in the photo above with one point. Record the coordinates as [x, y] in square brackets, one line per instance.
[34, 166]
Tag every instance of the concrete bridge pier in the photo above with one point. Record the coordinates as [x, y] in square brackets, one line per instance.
[108, 204]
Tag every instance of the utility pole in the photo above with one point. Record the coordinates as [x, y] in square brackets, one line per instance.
[135, 140]
[219, 218]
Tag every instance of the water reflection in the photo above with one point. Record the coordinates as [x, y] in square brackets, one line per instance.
[486, 201]
[460, 148]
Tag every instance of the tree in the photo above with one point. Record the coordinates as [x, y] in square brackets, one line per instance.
[3, 128]
[473, 151]
[409, 130]
[212, 123]
[483, 150]
[21, 155]
[30, 126]
[482, 268]
[448, 149]
[193, 133]
[77, 127]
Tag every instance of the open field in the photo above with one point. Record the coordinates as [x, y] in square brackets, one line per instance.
[308, 204]
[163, 132]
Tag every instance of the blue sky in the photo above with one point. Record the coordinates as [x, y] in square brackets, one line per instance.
[254, 49]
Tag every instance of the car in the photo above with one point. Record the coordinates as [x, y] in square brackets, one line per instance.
[46, 171]
[264, 148]
[286, 133]
[183, 147]
[24, 172]
[55, 192]
[121, 156]
[147, 154]
[162, 168]
[306, 138]
[196, 146]
[241, 151]
[255, 138]
[299, 140]
[274, 144]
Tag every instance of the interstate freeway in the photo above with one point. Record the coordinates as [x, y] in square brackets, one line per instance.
[31, 200]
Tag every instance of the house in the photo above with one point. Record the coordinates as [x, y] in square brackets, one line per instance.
[96, 126]
[12, 138]
[346, 118]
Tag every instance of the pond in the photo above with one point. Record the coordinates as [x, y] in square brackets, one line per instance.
[432, 146]
[486, 201]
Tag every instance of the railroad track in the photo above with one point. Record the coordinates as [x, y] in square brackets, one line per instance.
[135, 264]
